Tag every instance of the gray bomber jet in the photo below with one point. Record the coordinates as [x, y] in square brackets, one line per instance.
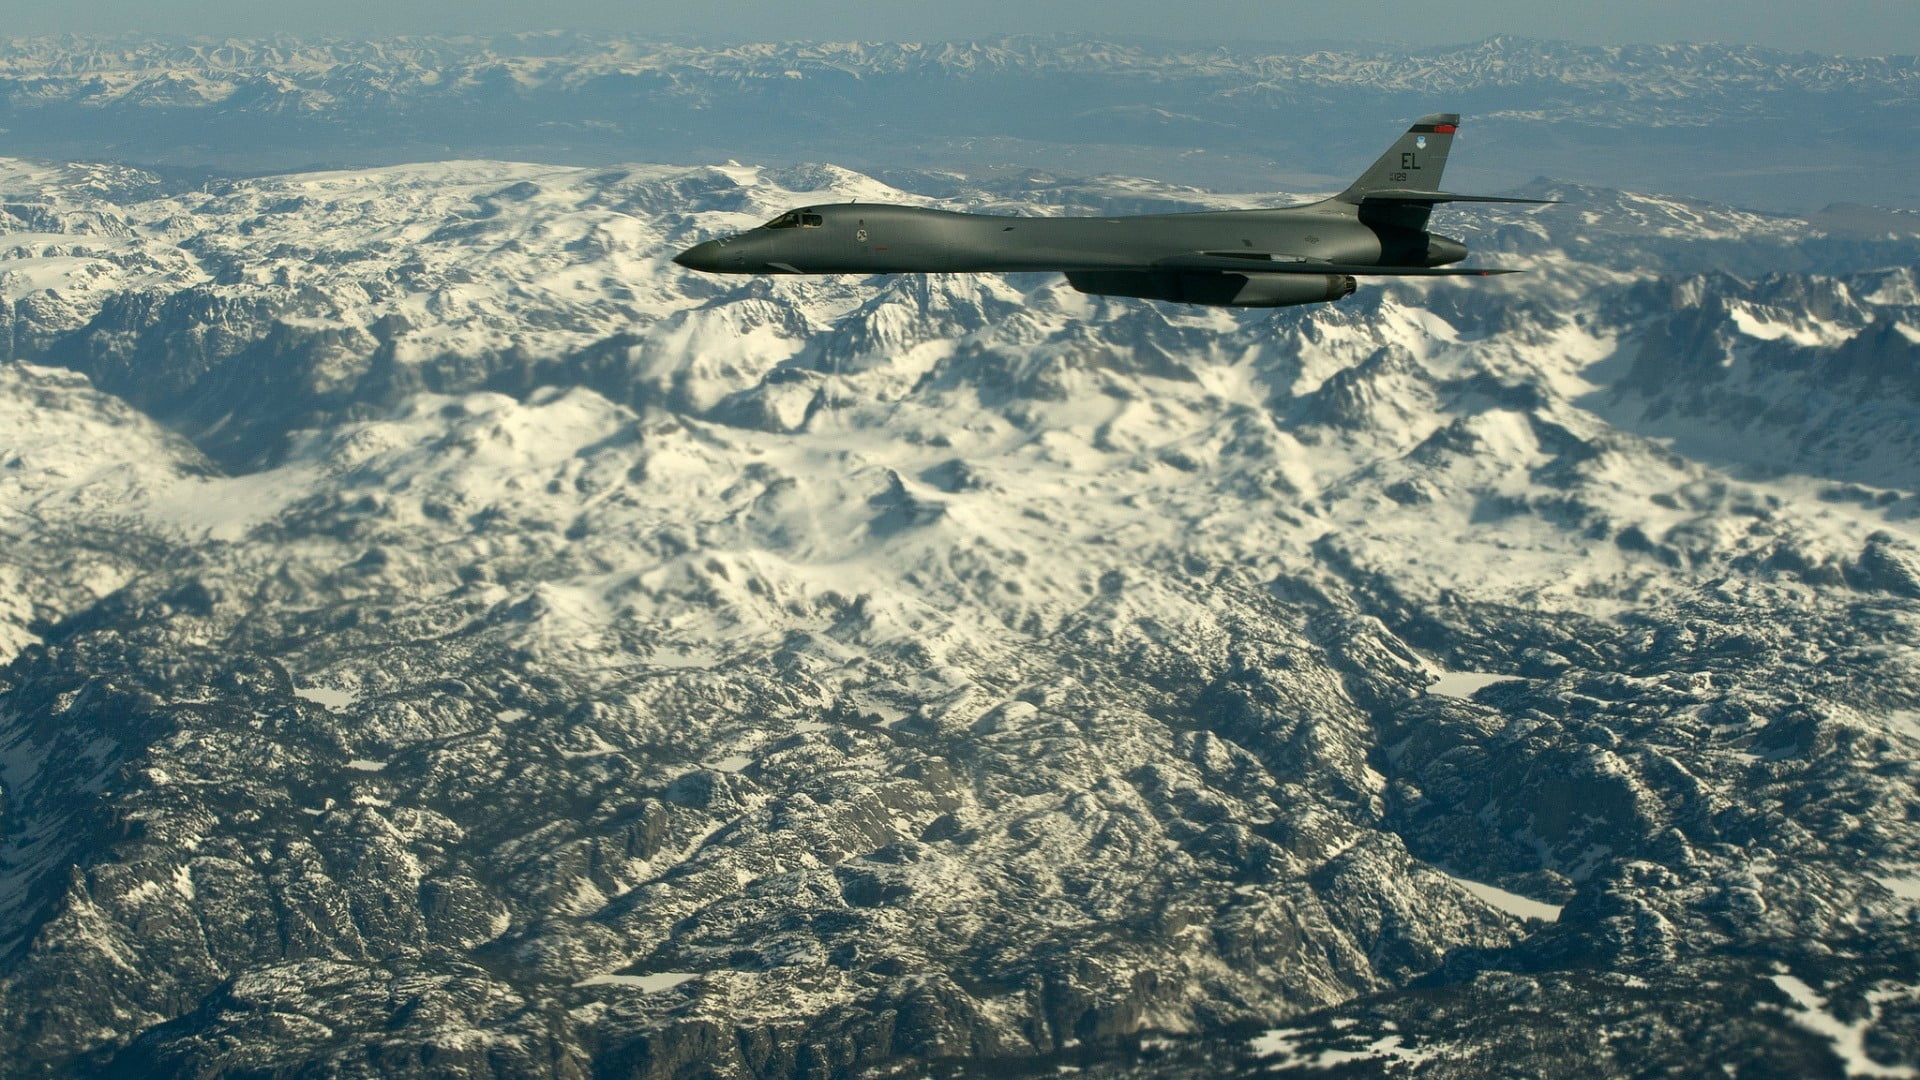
[1232, 258]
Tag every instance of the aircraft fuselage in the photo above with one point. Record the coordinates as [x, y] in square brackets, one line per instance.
[1304, 254]
[876, 238]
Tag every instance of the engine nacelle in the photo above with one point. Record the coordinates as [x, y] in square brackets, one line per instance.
[1406, 247]
[1214, 289]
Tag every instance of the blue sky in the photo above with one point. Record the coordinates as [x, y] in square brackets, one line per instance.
[1855, 27]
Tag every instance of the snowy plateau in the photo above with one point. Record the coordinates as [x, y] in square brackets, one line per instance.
[444, 638]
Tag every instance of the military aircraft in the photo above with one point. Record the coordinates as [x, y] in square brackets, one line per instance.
[1277, 257]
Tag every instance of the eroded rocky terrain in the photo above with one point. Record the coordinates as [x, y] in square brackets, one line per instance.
[444, 638]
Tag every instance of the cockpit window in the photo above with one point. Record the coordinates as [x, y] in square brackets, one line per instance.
[794, 219]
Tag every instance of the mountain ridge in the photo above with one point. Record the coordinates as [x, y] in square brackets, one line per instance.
[1674, 117]
[442, 634]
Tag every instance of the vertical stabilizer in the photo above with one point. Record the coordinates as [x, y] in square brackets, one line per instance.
[1414, 163]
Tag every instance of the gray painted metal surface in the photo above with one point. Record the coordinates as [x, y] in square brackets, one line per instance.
[1237, 258]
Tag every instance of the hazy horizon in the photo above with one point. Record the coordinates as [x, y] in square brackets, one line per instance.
[1856, 28]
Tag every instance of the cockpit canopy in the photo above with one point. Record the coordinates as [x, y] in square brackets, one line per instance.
[795, 219]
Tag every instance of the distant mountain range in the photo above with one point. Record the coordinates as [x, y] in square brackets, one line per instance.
[1745, 125]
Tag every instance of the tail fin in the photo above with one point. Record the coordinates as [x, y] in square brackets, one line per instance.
[1413, 162]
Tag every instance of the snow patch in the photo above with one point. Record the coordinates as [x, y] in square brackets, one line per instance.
[1904, 721]
[326, 696]
[1755, 326]
[183, 882]
[1848, 1039]
[1285, 1043]
[1464, 684]
[1905, 886]
[647, 984]
[1510, 902]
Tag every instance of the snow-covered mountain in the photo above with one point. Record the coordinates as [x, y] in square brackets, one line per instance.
[445, 637]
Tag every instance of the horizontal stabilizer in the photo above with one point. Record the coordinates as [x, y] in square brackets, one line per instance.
[1398, 195]
[1255, 263]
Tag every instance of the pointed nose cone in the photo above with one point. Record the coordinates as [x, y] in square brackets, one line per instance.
[704, 257]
